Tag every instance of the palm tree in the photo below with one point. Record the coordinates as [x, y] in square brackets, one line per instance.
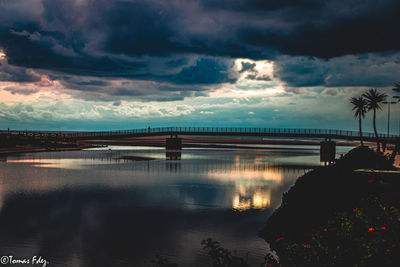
[360, 106]
[374, 99]
[396, 87]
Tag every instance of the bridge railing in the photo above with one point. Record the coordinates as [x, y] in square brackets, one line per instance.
[328, 132]
[331, 133]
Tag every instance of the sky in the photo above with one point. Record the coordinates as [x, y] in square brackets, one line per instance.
[124, 64]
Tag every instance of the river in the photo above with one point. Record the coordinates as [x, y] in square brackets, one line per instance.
[97, 208]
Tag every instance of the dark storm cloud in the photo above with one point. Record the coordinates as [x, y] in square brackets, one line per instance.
[184, 42]
[137, 28]
[9, 73]
[301, 71]
[104, 89]
[206, 71]
[377, 70]
[53, 51]
[318, 28]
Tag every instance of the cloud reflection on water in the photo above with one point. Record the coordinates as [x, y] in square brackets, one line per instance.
[89, 209]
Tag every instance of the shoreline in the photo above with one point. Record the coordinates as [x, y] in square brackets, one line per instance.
[20, 150]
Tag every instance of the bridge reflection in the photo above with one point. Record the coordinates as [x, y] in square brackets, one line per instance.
[173, 155]
[243, 182]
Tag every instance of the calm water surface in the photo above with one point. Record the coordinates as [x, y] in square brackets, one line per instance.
[92, 208]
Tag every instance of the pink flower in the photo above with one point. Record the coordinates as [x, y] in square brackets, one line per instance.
[279, 239]
[370, 181]
[325, 230]
[355, 210]
[304, 245]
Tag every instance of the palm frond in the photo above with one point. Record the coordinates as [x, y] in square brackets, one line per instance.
[360, 106]
[374, 98]
[396, 87]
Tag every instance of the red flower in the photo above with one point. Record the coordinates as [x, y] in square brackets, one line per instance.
[304, 245]
[383, 228]
[325, 230]
[370, 181]
[279, 239]
[388, 250]
[355, 210]
[371, 229]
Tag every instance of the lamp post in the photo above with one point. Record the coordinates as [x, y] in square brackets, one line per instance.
[388, 122]
[398, 100]
[396, 88]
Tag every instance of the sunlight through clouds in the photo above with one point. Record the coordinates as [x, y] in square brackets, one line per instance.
[256, 79]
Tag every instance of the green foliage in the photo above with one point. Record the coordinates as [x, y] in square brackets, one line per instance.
[364, 158]
[160, 261]
[367, 235]
[222, 257]
[374, 99]
[396, 87]
[337, 217]
[360, 106]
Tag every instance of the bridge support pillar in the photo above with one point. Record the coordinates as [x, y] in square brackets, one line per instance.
[327, 151]
[173, 143]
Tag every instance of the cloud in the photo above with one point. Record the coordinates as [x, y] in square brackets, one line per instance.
[323, 29]
[112, 50]
[371, 70]
[331, 91]
[9, 73]
[206, 112]
[207, 71]
[112, 37]
[247, 66]
[21, 90]
[112, 89]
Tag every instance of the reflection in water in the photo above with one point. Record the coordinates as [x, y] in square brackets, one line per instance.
[173, 155]
[88, 208]
[252, 198]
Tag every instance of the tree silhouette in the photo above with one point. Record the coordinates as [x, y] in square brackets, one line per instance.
[360, 107]
[396, 87]
[374, 99]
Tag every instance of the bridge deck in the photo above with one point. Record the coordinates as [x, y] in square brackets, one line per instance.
[214, 131]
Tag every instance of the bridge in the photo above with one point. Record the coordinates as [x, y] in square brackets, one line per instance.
[173, 142]
[327, 134]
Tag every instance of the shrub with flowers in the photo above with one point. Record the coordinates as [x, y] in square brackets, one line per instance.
[367, 235]
[337, 216]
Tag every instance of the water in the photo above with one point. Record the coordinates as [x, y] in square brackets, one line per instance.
[92, 208]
